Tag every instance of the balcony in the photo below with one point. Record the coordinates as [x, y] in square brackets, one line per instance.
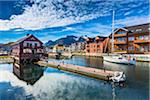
[120, 51]
[120, 35]
[141, 41]
[87, 46]
[119, 42]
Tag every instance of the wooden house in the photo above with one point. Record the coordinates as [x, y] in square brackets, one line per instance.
[94, 46]
[28, 49]
[132, 39]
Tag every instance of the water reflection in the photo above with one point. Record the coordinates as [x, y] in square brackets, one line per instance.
[59, 85]
[9, 92]
[54, 84]
[28, 73]
[137, 85]
[82, 61]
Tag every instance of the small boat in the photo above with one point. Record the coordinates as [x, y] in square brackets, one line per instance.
[119, 60]
[118, 77]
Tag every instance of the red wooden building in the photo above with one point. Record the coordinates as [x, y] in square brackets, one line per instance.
[132, 39]
[94, 46]
[28, 49]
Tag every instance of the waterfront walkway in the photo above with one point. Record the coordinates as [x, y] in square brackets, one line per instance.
[91, 72]
[4, 60]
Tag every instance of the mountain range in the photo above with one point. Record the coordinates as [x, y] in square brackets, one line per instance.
[68, 40]
[6, 47]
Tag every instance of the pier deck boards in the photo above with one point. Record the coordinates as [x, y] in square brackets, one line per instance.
[91, 72]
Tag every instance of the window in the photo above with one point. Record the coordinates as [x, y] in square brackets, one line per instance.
[131, 38]
[30, 45]
[146, 48]
[32, 38]
[138, 30]
[26, 51]
[88, 50]
[27, 44]
[131, 48]
[121, 32]
[132, 30]
[144, 37]
[121, 39]
[35, 44]
[94, 50]
[141, 48]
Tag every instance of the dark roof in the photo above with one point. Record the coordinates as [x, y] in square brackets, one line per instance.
[139, 28]
[24, 38]
[119, 29]
[101, 36]
[133, 29]
[94, 39]
[59, 45]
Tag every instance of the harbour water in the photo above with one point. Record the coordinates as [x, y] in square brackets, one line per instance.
[34, 82]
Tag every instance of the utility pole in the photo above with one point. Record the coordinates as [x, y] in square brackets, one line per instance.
[113, 18]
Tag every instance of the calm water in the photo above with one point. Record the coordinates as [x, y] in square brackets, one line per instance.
[33, 82]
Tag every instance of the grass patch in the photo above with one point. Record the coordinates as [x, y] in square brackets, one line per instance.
[4, 57]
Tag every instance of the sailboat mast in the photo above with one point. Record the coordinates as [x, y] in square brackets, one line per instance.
[113, 18]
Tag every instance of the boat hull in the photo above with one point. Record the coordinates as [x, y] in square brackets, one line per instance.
[119, 61]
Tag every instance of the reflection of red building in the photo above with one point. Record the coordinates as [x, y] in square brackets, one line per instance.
[28, 73]
[133, 39]
[27, 49]
[94, 46]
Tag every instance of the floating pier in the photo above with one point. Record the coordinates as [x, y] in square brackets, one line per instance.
[91, 72]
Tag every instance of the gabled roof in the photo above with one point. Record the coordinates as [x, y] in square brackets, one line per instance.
[144, 27]
[89, 39]
[95, 38]
[100, 37]
[24, 38]
[121, 28]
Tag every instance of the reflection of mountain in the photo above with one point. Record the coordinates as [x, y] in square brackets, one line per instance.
[28, 73]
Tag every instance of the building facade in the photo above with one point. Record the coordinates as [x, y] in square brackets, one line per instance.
[94, 46]
[133, 39]
[77, 47]
[49, 49]
[28, 49]
[58, 48]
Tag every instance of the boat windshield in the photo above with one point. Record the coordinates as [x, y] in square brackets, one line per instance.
[117, 74]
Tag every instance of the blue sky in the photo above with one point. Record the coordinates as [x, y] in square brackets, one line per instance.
[52, 19]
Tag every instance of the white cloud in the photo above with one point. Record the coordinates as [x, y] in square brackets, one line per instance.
[54, 13]
[135, 20]
[37, 17]
[128, 13]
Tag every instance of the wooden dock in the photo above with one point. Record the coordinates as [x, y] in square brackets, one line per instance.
[91, 72]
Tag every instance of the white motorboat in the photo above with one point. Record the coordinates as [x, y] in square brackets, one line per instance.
[118, 77]
[119, 60]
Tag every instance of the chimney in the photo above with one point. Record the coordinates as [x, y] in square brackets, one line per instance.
[28, 34]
